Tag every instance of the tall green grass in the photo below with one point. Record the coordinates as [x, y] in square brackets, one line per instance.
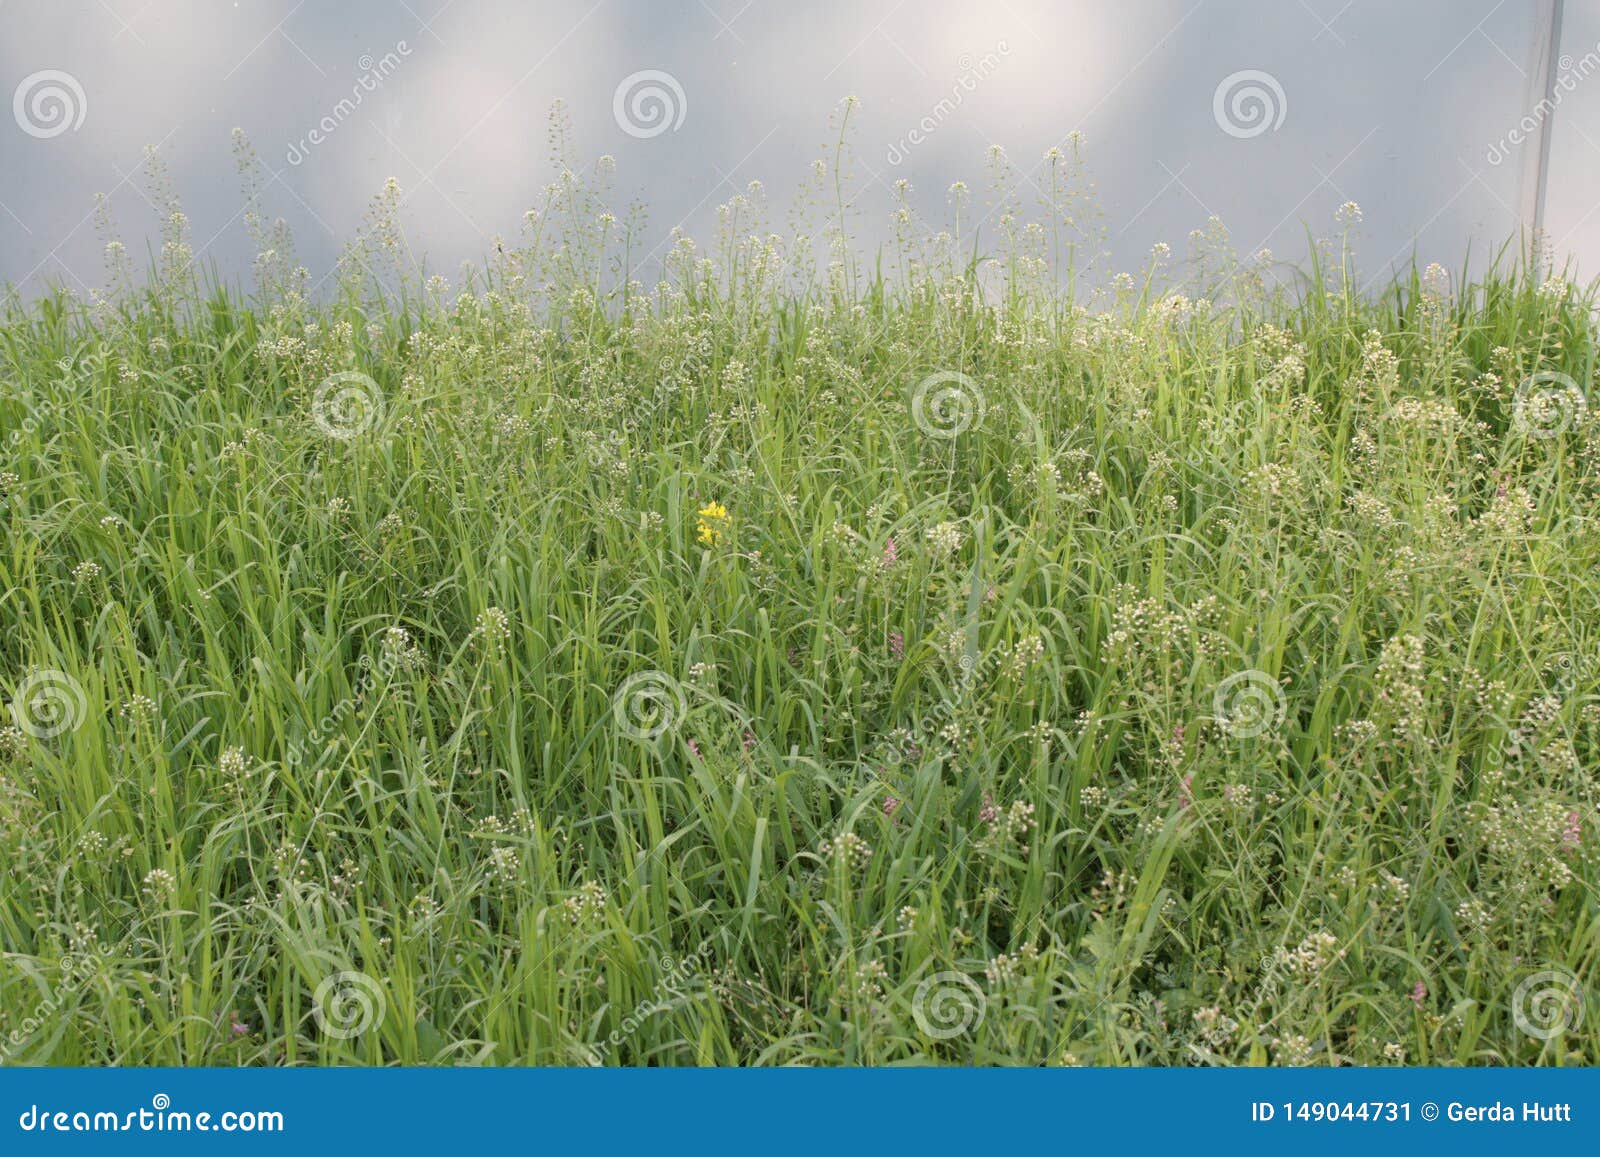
[1212, 679]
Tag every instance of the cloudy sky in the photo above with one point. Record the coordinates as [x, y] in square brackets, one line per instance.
[1265, 113]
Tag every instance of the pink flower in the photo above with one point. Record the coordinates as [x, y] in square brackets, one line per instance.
[889, 805]
[988, 813]
[1185, 798]
[1572, 834]
[891, 553]
[694, 747]
[1419, 994]
[749, 740]
[238, 1027]
[897, 644]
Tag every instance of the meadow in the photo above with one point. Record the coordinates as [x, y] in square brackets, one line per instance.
[958, 656]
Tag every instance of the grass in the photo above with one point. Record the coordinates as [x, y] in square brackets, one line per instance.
[799, 662]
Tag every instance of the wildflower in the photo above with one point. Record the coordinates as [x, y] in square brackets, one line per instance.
[589, 901]
[493, 629]
[1400, 682]
[1000, 971]
[897, 645]
[1027, 652]
[1215, 1028]
[399, 653]
[1572, 834]
[889, 805]
[891, 553]
[1475, 915]
[1176, 743]
[1419, 993]
[1397, 888]
[139, 709]
[348, 879]
[288, 862]
[945, 538]
[870, 978]
[1315, 953]
[159, 883]
[85, 572]
[851, 849]
[1012, 824]
[1292, 1052]
[13, 743]
[505, 865]
[713, 521]
[1238, 796]
[93, 844]
[234, 764]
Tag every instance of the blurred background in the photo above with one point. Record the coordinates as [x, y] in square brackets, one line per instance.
[1266, 114]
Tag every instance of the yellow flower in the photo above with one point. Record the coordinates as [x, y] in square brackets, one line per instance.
[713, 518]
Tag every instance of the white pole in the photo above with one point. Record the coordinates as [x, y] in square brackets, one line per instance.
[1543, 84]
